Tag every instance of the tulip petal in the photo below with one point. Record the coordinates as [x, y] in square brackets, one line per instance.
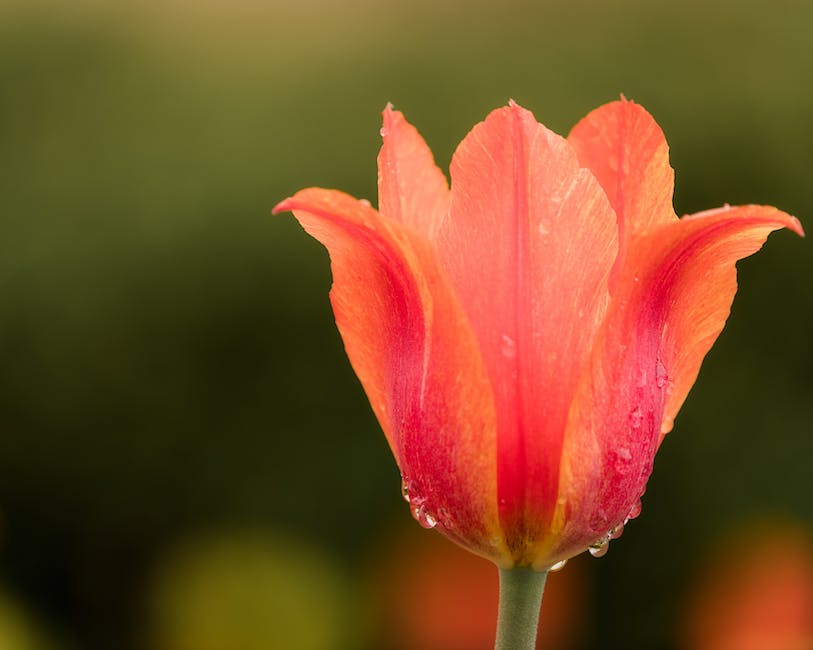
[411, 188]
[417, 358]
[707, 245]
[672, 298]
[627, 152]
[528, 246]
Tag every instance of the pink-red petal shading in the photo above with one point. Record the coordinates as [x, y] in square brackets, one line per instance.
[672, 298]
[418, 361]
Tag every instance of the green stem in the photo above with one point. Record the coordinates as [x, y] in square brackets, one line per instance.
[520, 600]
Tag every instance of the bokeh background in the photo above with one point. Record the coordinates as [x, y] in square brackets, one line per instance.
[187, 461]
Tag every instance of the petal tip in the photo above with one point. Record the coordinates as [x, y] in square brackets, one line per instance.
[796, 226]
[283, 206]
[390, 120]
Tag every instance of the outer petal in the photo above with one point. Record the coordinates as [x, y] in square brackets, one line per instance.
[411, 188]
[528, 246]
[672, 299]
[417, 358]
[627, 152]
[702, 303]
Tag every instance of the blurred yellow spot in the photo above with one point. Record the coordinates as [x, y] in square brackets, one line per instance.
[250, 591]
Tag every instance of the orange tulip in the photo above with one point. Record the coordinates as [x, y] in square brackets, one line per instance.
[527, 337]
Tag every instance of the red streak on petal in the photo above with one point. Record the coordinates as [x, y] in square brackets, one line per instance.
[416, 356]
[528, 247]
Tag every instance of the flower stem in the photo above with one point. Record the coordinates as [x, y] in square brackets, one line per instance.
[520, 601]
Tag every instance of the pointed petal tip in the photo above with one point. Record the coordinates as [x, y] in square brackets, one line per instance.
[388, 111]
[765, 212]
[318, 198]
[796, 226]
[512, 108]
[513, 105]
[390, 119]
[286, 205]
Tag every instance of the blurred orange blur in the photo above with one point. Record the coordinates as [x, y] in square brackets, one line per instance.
[428, 594]
[756, 593]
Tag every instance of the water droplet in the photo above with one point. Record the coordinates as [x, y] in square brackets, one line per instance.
[423, 516]
[600, 547]
[635, 278]
[445, 519]
[636, 418]
[660, 375]
[383, 131]
[558, 566]
[622, 458]
[616, 531]
[405, 489]
[365, 203]
[635, 510]
[508, 346]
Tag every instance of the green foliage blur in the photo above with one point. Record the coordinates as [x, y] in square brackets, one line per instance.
[171, 373]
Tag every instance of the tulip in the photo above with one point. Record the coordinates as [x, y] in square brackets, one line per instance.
[527, 337]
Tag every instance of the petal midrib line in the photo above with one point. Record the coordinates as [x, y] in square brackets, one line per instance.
[513, 454]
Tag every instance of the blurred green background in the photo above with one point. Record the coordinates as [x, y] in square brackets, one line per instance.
[186, 458]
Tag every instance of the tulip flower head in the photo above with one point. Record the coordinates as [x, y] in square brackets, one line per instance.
[527, 336]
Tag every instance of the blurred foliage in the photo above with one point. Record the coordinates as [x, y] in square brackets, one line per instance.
[18, 630]
[169, 356]
[251, 591]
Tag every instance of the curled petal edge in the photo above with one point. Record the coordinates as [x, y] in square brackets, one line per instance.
[418, 361]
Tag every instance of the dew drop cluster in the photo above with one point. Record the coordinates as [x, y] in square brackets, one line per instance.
[417, 505]
[600, 547]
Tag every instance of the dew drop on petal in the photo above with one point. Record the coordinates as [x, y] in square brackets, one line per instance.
[600, 547]
[423, 516]
[616, 531]
[405, 489]
[383, 132]
[635, 510]
[558, 566]
[365, 203]
[621, 459]
[508, 346]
